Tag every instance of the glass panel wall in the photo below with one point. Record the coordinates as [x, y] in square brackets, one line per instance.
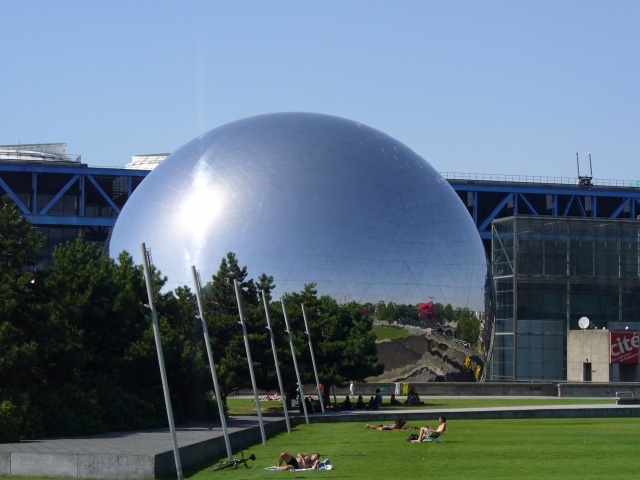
[554, 232]
[502, 362]
[562, 270]
[540, 330]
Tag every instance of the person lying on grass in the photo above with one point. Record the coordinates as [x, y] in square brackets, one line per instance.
[303, 460]
[266, 398]
[399, 425]
[429, 432]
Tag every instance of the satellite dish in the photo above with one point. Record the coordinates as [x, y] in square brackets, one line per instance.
[583, 322]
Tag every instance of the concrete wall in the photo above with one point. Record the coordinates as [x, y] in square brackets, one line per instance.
[76, 465]
[514, 389]
[591, 389]
[588, 347]
[452, 389]
[197, 453]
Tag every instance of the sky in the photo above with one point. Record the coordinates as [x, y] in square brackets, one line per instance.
[475, 87]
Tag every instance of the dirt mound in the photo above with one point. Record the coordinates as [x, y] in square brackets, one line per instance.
[423, 358]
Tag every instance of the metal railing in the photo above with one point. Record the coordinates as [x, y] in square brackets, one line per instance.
[30, 156]
[490, 177]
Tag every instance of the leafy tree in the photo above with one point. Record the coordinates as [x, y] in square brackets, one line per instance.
[368, 308]
[348, 348]
[19, 294]
[79, 351]
[19, 245]
[181, 335]
[342, 338]
[448, 312]
[392, 312]
[389, 312]
[222, 315]
[81, 294]
[92, 320]
[186, 365]
[409, 311]
[19, 242]
[468, 328]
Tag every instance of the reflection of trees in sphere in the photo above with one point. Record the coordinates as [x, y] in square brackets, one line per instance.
[308, 198]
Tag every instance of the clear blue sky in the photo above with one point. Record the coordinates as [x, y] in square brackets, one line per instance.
[508, 87]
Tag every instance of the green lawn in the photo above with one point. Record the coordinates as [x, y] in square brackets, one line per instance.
[591, 448]
[391, 333]
[246, 406]
[473, 449]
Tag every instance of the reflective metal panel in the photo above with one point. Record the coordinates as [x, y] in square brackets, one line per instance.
[308, 198]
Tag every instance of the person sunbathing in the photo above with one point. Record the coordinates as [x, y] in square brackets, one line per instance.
[302, 460]
[400, 424]
[430, 432]
[266, 398]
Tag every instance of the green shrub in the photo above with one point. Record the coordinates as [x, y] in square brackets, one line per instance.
[68, 411]
[20, 419]
[10, 422]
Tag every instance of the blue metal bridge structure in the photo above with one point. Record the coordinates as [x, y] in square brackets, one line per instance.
[59, 195]
[68, 194]
[489, 197]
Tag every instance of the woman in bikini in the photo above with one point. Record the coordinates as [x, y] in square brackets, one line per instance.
[303, 460]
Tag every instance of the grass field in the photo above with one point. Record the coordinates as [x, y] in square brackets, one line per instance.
[390, 333]
[591, 448]
[246, 406]
[473, 449]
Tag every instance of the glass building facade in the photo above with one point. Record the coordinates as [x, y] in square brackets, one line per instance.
[548, 272]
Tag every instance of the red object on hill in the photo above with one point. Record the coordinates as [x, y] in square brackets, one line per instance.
[428, 311]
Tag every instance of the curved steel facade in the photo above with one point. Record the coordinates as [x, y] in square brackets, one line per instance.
[308, 198]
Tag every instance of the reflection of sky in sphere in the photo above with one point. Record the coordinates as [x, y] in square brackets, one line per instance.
[308, 198]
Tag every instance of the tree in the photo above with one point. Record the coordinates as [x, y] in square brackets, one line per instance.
[19, 245]
[222, 316]
[186, 362]
[468, 328]
[389, 312]
[79, 351]
[93, 319]
[448, 312]
[19, 294]
[342, 338]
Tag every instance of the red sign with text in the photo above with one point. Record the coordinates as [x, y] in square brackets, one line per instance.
[625, 347]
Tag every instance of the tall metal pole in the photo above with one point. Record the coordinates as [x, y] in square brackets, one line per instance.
[246, 344]
[313, 359]
[212, 365]
[295, 362]
[146, 257]
[275, 359]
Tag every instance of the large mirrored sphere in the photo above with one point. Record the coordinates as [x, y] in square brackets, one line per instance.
[308, 198]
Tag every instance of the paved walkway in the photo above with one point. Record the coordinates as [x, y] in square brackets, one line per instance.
[136, 454]
[149, 453]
